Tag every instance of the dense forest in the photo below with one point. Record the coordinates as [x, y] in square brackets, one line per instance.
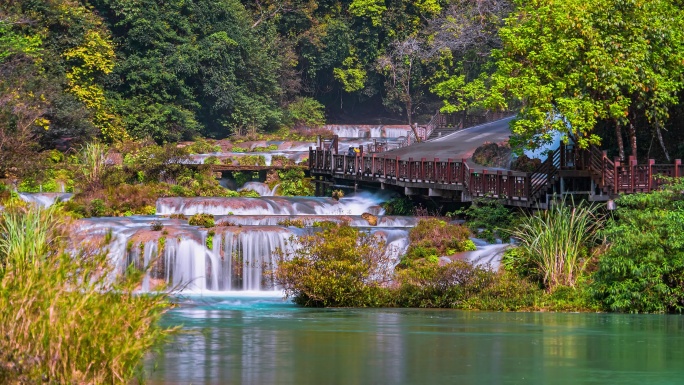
[73, 71]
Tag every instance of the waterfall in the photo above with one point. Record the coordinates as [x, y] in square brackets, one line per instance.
[239, 253]
[45, 199]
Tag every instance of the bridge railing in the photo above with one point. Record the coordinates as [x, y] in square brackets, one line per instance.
[440, 173]
[502, 184]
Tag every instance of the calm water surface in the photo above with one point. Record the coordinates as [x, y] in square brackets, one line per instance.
[264, 340]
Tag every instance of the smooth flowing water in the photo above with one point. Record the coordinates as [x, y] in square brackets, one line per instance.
[265, 340]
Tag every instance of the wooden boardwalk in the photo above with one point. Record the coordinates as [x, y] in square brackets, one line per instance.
[416, 170]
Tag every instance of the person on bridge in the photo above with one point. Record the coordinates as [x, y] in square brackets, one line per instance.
[350, 152]
[357, 151]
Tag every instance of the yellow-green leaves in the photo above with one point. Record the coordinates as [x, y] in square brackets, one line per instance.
[371, 9]
[352, 76]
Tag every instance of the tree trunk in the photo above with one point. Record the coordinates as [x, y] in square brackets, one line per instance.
[632, 139]
[409, 107]
[662, 142]
[621, 144]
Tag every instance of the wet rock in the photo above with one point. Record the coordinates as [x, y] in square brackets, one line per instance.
[372, 219]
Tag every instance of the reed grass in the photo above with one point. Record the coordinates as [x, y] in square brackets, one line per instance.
[557, 240]
[65, 317]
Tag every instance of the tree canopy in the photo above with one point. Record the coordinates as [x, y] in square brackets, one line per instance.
[572, 64]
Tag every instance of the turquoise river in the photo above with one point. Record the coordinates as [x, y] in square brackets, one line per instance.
[262, 339]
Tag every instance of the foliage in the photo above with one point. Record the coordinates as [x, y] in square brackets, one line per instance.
[557, 240]
[63, 318]
[643, 268]
[337, 266]
[616, 61]
[462, 285]
[202, 146]
[432, 238]
[252, 160]
[294, 183]
[156, 226]
[291, 223]
[337, 194]
[487, 218]
[399, 206]
[202, 220]
[91, 162]
[212, 160]
[306, 112]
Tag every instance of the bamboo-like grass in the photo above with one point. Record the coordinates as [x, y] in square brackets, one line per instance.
[64, 318]
[556, 240]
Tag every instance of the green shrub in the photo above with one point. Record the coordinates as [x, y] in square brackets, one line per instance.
[202, 146]
[252, 160]
[487, 218]
[212, 160]
[642, 270]
[306, 112]
[202, 220]
[435, 237]
[62, 319]
[399, 206]
[557, 240]
[291, 223]
[338, 266]
[294, 183]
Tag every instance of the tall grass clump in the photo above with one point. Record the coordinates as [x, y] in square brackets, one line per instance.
[556, 240]
[65, 317]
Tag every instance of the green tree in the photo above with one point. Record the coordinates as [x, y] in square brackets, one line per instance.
[643, 268]
[572, 64]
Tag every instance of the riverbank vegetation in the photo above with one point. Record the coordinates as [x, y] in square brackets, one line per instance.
[575, 257]
[65, 317]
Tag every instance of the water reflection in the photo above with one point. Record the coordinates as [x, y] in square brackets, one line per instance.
[267, 341]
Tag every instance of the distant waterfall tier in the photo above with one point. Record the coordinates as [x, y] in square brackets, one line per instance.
[356, 205]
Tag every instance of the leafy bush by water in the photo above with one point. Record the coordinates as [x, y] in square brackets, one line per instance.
[202, 220]
[62, 321]
[557, 241]
[643, 268]
[487, 218]
[338, 266]
[432, 238]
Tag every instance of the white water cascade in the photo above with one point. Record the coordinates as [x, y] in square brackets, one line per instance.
[240, 251]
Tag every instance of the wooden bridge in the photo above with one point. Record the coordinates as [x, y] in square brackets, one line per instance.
[567, 170]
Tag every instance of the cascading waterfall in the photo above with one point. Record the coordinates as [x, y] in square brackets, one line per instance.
[240, 251]
[45, 199]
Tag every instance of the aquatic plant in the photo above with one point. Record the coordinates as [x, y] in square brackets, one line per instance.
[63, 320]
[557, 240]
[156, 226]
[202, 220]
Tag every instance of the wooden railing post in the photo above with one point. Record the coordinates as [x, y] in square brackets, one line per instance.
[434, 170]
[677, 163]
[463, 171]
[422, 169]
[651, 162]
[511, 185]
[450, 169]
[562, 155]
